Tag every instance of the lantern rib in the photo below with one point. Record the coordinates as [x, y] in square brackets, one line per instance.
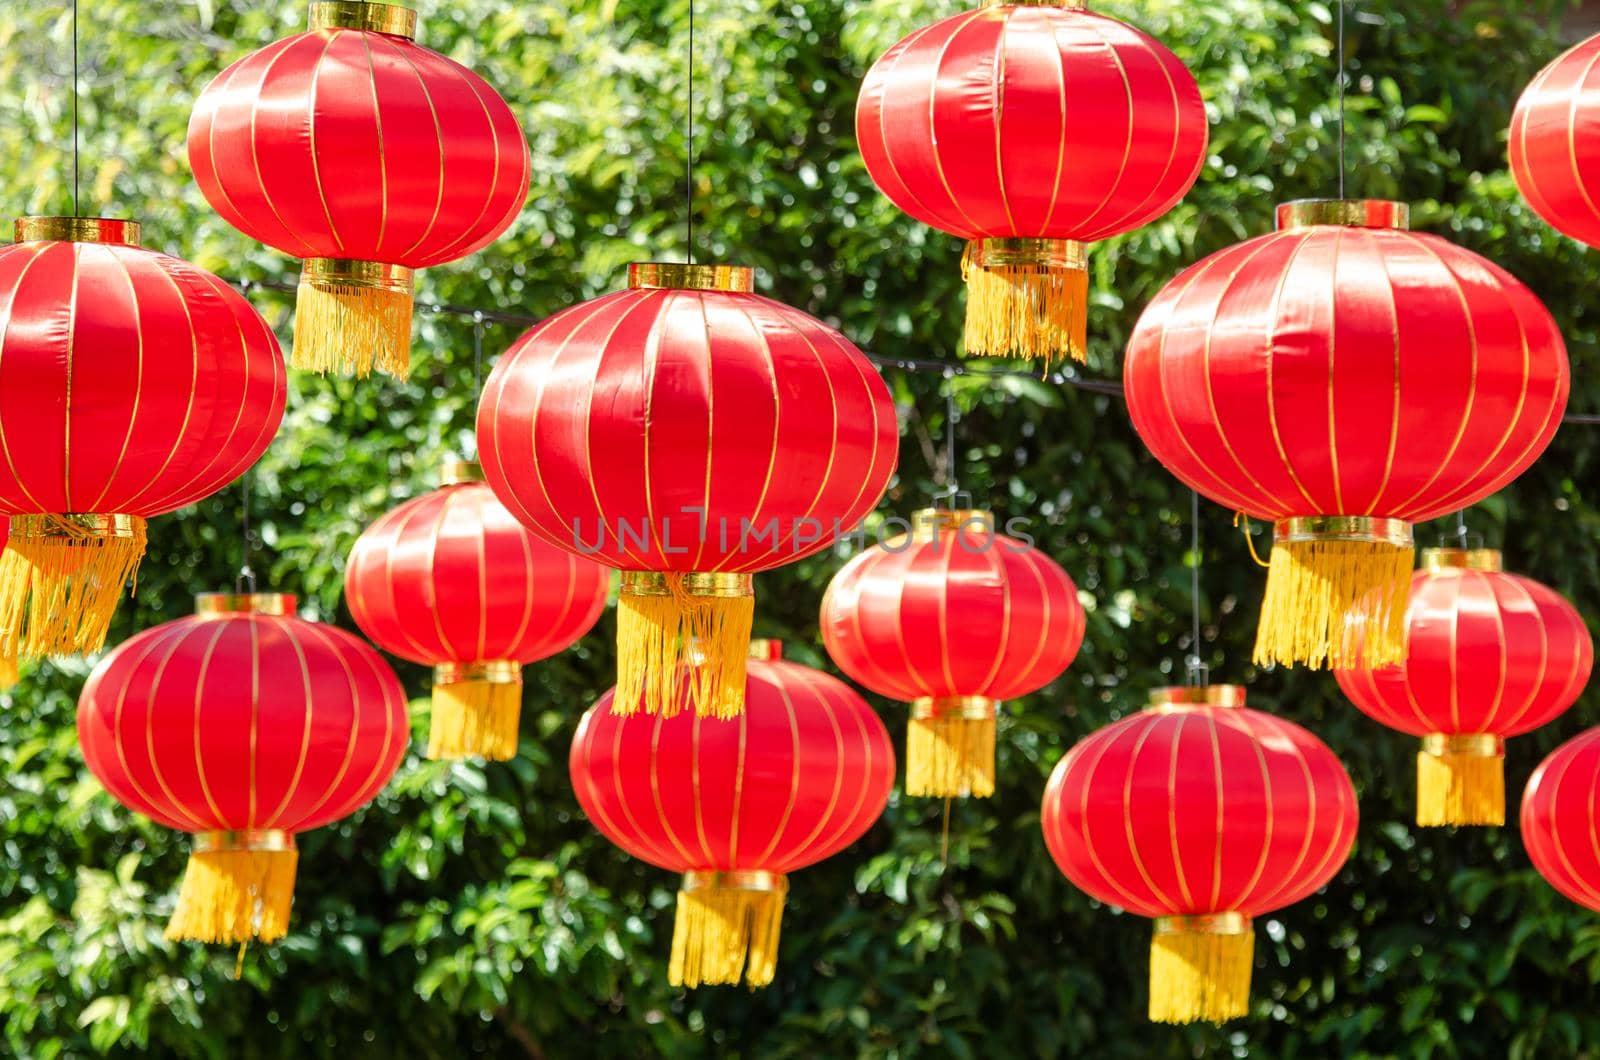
[439, 145]
[794, 777]
[700, 302]
[777, 420]
[384, 762]
[179, 639]
[1508, 727]
[1092, 234]
[308, 725]
[467, 241]
[1103, 741]
[801, 853]
[71, 352]
[199, 688]
[1127, 819]
[172, 813]
[655, 786]
[697, 796]
[5, 329]
[269, 61]
[383, 157]
[1333, 376]
[1179, 724]
[1001, 573]
[1271, 390]
[1245, 899]
[138, 388]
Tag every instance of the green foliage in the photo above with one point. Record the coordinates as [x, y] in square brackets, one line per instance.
[472, 910]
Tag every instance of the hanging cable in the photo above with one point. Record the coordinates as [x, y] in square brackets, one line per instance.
[75, 208]
[477, 370]
[247, 576]
[1198, 671]
[688, 166]
[952, 480]
[1341, 98]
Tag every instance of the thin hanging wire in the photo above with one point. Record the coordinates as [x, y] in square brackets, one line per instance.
[1199, 672]
[1341, 98]
[688, 165]
[247, 575]
[477, 373]
[75, 208]
[952, 478]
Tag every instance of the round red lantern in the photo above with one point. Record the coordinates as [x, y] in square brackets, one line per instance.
[131, 384]
[1344, 378]
[1560, 822]
[369, 156]
[736, 805]
[953, 617]
[452, 581]
[1554, 158]
[690, 433]
[1031, 129]
[1203, 814]
[1489, 655]
[243, 725]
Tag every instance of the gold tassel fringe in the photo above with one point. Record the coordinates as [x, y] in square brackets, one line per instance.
[1031, 309]
[61, 578]
[9, 674]
[664, 636]
[1456, 787]
[234, 895]
[351, 329]
[475, 719]
[723, 930]
[1334, 604]
[950, 753]
[1200, 974]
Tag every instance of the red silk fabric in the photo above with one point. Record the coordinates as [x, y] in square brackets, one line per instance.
[242, 722]
[452, 577]
[1554, 143]
[1346, 371]
[1199, 811]
[976, 615]
[1031, 121]
[130, 382]
[613, 421]
[1559, 820]
[344, 143]
[1486, 652]
[799, 776]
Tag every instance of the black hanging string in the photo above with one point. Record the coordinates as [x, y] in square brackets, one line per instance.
[247, 576]
[1199, 672]
[477, 368]
[688, 165]
[952, 480]
[1341, 97]
[75, 208]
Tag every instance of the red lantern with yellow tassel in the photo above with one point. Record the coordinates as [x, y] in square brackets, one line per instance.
[1030, 130]
[131, 384]
[1554, 157]
[367, 155]
[954, 618]
[1344, 378]
[1203, 814]
[1489, 655]
[736, 805]
[8, 659]
[1561, 818]
[243, 725]
[452, 581]
[690, 433]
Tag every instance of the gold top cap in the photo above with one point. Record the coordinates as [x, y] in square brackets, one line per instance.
[928, 523]
[109, 230]
[454, 472]
[766, 649]
[677, 276]
[392, 19]
[1065, 5]
[213, 605]
[1350, 213]
[1437, 559]
[1197, 696]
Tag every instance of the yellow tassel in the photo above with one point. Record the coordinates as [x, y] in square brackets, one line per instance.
[475, 719]
[1334, 604]
[351, 317]
[1201, 972]
[61, 578]
[233, 894]
[727, 925]
[1031, 303]
[1460, 783]
[9, 674]
[682, 640]
[950, 748]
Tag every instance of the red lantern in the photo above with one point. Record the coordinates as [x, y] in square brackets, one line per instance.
[736, 805]
[1031, 129]
[1203, 814]
[690, 433]
[953, 617]
[1489, 655]
[1554, 158]
[1559, 819]
[369, 156]
[243, 725]
[131, 384]
[1344, 378]
[452, 581]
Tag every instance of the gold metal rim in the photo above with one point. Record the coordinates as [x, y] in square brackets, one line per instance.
[112, 231]
[694, 583]
[679, 276]
[391, 19]
[455, 472]
[766, 648]
[1370, 528]
[1438, 559]
[1065, 5]
[487, 671]
[74, 525]
[347, 272]
[737, 880]
[970, 708]
[1347, 213]
[1184, 697]
[212, 605]
[1050, 253]
[928, 523]
[257, 839]
[1464, 745]
[1206, 924]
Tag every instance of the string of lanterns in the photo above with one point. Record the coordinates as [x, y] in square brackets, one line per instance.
[1341, 378]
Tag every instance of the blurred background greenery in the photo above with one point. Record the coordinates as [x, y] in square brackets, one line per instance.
[472, 910]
